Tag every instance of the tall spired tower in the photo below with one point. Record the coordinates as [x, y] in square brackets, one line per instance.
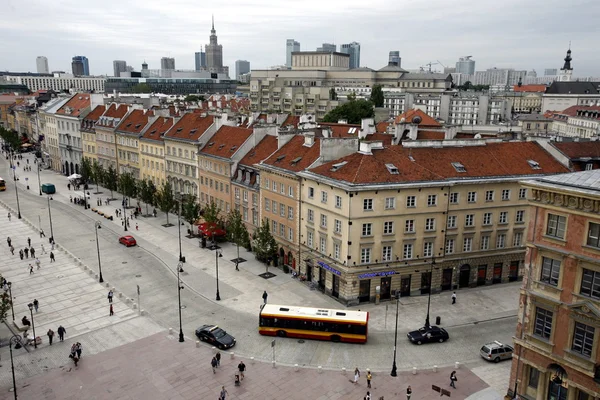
[566, 72]
[214, 51]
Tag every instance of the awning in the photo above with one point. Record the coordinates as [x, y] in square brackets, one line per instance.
[80, 194]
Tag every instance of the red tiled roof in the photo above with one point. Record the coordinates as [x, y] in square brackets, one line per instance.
[190, 127]
[382, 127]
[579, 149]
[384, 137]
[492, 160]
[530, 88]
[115, 111]
[342, 130]
[426, 120]
[77, 104]
[430, 135]
[291, 120]
[135, 121]
[158, 128]
[572, 111]
[96, 113]
[262, 150]
[226, 141]
[294, 156]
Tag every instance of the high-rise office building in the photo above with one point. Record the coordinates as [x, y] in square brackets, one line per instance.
[290, 46]
[550, 72]
[241, 67]
[144, 65]
[118, 67]
[465, 65]
[200, 59]
[80, 66]
[327, 48]
[167, 63]
[41, 63]
[394, 58]
[353, 50]
[214, 50]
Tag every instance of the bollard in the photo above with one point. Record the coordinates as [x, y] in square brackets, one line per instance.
[170, 331]
[296, 368]
[343, 370]
[456, 365]
[232, 354]
[320, 369]
[85, 268]
[214, 350]
[273, 362]
[414, 370]
[143, 312]
[113, 289]
[95, 276]
[435, 368]
[197, 343]
[108, 285]
[134, 306]
[252, 360]
[120, 294]
[91, 272]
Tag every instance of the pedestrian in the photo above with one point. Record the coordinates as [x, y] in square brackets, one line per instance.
[241, 368]
[265, 295]
[213, 364]
[356, 375]
[110, 296]
[69, 186]
[37, 263]
[453, 379]
[43, 249]
[218, 357]
[117, 213]
[61, 332]
[8, 217]
[9, 241]
[78, 349]
[369, 377]
[50, 335]
[26, 250]
[12, 250]
[112, 312]
[32, 251]
[36, 304]
[52, 248]
[52, 257]
[21, 253]
[368, 396]
[223, 394]
[136, 227]
[30, 269]
[408, 392]
[28, 242]
[454, 298]
[42, 234]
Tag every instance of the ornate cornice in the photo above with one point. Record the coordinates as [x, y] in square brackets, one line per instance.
[565, 200]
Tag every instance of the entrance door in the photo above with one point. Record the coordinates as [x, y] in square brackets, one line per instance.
[425, 282]
[322, 275]
[497, 278]
[464, 277]
[556, 391]
[335, 292]
[309, 270]
[447, 279]
[405, 286]
[364, 292]
[513, 271]
[386, 284]
[481, 275]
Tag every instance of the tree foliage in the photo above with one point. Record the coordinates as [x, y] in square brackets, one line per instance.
[97, 173]
[5, 304]
[377, 96]
[127, 185]
[147, 192]
[469, 86]
[11, 138]
[332, 94]
[165, 199]
[141, 88]
[110, 179]
[190, 209]
[191, 98]
[353, 111]
[236, 230]
[86, 169]
[211, 212]
[265, 246]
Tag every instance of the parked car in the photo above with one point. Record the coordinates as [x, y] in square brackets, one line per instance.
[428, 334]
[216, 336]
[127, 240]
[496, 351]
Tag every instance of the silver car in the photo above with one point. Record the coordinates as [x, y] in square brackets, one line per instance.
[496, 351]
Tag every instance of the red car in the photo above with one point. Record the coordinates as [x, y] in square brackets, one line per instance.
[127, 240]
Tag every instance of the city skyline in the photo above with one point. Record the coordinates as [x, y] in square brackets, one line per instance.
[448, 39]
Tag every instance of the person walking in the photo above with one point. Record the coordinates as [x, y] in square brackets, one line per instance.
[453, 379]
[43, 248]
[52, 259]
[454, 298]
[12, 250]
[356, 375]
[50, 335]
[42, 234]
[223, 394]
[218, 357]
[264, 296]
[21, 253]
[241, 368]
[37, 262]
[368, 396]
[213, 364]
[26, 251]
[110, 296]
[78, 349]
[32, 251]
[8, 217]
[369, 377]
[30, 269]
[61, 332]
[9, 241]
[136, 227]
[36, 304]
[112, 312]
[408, 392]
[29, 242]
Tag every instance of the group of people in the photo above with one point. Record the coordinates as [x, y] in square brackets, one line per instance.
[75, 354]
[78, 200]
[30, 251]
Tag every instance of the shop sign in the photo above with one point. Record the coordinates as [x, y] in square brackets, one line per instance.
[376, 274]
[328, 268]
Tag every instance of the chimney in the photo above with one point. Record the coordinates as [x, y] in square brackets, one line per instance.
[342, 121]
[367, 127]
[309, 140]
[368, 147]
[450, 132]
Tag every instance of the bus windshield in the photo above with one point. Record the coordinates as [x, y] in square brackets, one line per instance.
[2, 184]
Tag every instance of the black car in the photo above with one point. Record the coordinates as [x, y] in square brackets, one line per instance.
[216, 336]
[428, 334]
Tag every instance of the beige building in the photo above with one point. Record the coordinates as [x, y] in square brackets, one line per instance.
[374, 222]
[49, 127]
[127, 136]
[325, 61]
[106, 144]
[152, 151]
[88, 133]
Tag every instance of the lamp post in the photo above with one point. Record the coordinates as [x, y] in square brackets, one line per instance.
[395, 336]
[16, 191]
[30, 305]
[97, 226]
[429, 296]
[16, 340]
[179, 227]
[12, 309]
[50, 217]
[217, 255]
[39, 180]
[179, 287]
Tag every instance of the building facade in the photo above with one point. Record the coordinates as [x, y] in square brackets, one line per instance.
[241, 67]
[167, 63]
[556, 352]
[118, 67]
[291, 46]
[41, 63]
[88, 133]
[179, 85]
[49, 124]
[152, 151]
[465, 65]
[68, 119]
[60, 82]
[80, 66]
[127, 137]
[353, 50]
[106, 143]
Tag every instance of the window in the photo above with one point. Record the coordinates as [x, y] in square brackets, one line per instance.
[365, 255]
[469, 220]
[451, 221]
[503, 217]
[505, 194]
[274, 229]
[593, 238]
[323, 221]
[430, 224]
[485, 242]
[338, 201]
[522, 194]
[520, 216]
[311, 215]
[408, 251]
[386, 253]
[556, 226]
[311, 192]
[471, 197]
[388, 228]
[281, 226]
[409, 226]
[543, 323]
[268, 205]
[309, 239]
[489, 195]
[487, 219]
[590, 284]
[517, 239]
[583, 339]
[282, 209]
[336, 250]
[275, 207]
[390, 203]
[550, 271]
[411, 201]
[274, 185]
[291, 191]
[467, 244]
[323, 244]
[501, 241]
[323, 197]
[337, 226]
[427, 249]
[368, 204]
[432, 200]
[266, 182]
[282, 189]
[290, 234]
[290, 212]
[534, 377]
[449, 246]
[453, 198]
[367, 229]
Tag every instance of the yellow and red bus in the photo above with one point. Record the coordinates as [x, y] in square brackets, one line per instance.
[2, 185]
[314, 323]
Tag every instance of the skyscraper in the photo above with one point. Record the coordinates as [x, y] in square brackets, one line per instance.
[41, 63]
[214, 51]
[241, 67]
[394, 58]
[290, 46]
[550, 72]
[465, 65]
[353, 50]
[80, 66]
[167, 63]
[200, 59]
[327, 48]
[118, 67]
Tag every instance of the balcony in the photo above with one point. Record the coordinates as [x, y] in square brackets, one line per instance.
[69, 147]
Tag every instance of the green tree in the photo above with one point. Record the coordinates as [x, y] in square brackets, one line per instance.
[265, 246]
[98, 174]
[86, 169]
[147, 190]
[332, 94]
[5, 304]
[211, 212]
[110, 179]
[191, 98]
[377, 96]
[165, 199]
[190, 209]
[11, 138]
[236, 230]
[353, 111]
[127, 185]
[141, 88]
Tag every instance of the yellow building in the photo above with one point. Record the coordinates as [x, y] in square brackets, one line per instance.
[106, 147]
[88, 133]
[127, 138]
[152, 151]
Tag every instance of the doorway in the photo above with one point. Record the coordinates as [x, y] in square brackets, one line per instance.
[405, 286]
[282, 259]
[464, 277]
[386, 292]
[425, 282]
[322, 277]
[364, 292]
[497, 278]
[513, 271]
[481, 274]
[447, 279]
[335, 291]
[309, 270]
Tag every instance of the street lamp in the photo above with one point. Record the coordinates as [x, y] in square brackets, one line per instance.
[50, 217]
[395, 335]
[12, 309]
[39, 181]
[16, 191]
[217, 255]
[30, 305]
[179, 227]
[16, 340]
[97, 226]
[429, 296]
[124, 214]
[179, 287]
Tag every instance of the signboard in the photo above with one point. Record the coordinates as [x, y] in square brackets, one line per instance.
[375, 274]
[328, 268]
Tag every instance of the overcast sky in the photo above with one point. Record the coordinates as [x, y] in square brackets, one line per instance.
[523, 34]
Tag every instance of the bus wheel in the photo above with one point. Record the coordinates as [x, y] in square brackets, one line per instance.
[281, 334]
[336, 338]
